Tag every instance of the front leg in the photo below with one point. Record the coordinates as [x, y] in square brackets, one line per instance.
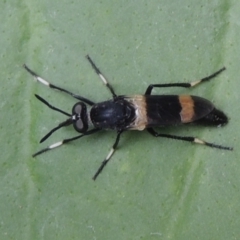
[64, 141]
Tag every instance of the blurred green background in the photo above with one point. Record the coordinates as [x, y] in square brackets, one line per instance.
[152, 188]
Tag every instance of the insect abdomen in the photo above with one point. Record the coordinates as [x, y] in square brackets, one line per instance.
[166, 110]
[214, 118]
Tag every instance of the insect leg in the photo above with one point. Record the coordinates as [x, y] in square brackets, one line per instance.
[101, 76]
[187, 139]
[185, 85]
[46, 83]
[64, 141]
[106, 160]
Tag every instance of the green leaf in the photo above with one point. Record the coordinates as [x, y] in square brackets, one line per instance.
[151, 188]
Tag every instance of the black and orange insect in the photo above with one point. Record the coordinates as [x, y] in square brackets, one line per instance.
[136, 112]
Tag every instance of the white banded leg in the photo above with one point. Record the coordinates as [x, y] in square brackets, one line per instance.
[185, 85]
[48, 84]
[64, 141]
[101, 76]
[188, 139]
[106, 160]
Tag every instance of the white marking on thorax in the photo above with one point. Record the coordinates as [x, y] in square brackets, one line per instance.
[139, 103]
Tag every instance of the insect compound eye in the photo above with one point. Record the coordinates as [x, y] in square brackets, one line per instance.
[80, 111]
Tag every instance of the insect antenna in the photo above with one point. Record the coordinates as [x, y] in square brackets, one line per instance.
[51, 107]
[67, 122]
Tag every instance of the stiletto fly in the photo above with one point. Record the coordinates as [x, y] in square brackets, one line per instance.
[135, 112]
